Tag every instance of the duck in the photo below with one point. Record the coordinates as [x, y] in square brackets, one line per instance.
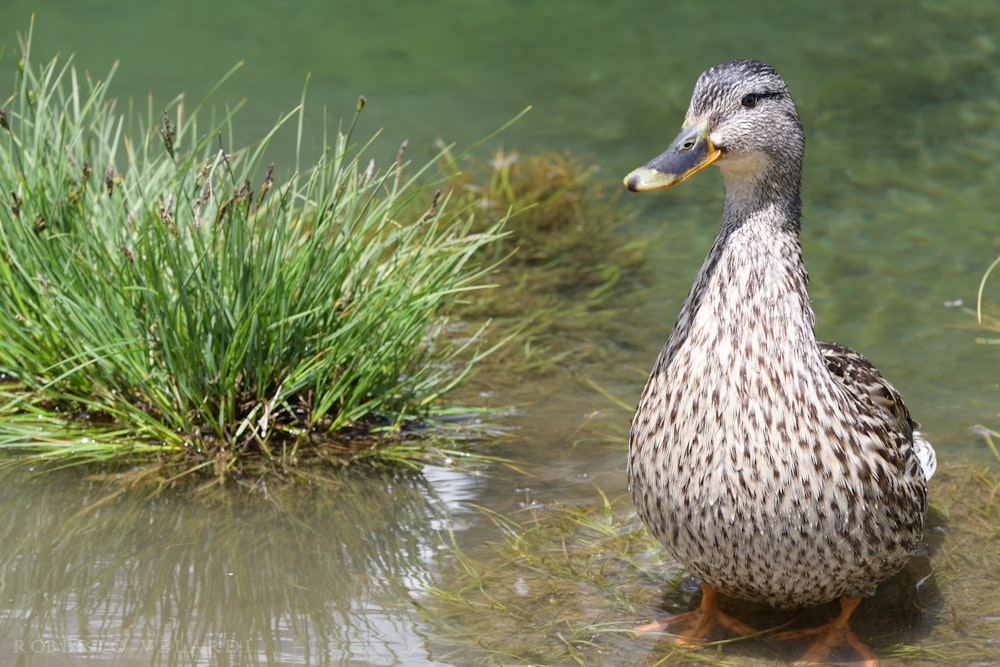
[776, 468]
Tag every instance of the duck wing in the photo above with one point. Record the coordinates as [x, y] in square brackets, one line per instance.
[881, 407]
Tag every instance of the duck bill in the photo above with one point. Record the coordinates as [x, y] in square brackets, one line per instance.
[691, 151]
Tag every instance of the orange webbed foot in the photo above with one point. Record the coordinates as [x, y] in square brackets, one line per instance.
[831, 638]
[696, 627]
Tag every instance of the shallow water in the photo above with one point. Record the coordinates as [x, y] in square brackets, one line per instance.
[901, 200]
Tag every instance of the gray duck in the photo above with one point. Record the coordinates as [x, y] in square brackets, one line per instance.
[778, 469]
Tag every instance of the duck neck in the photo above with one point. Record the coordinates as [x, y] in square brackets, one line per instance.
[752, 285]
[756, 187]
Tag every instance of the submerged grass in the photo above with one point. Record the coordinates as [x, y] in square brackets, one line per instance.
[163, 293]
[566, 257]
[566, 585]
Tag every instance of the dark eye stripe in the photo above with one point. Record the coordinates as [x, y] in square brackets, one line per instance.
[750, 100]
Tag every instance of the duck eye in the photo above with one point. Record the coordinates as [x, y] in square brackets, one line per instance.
[749, 100]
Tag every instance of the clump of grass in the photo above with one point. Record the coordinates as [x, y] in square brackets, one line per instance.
[565, 256]
[163, 293]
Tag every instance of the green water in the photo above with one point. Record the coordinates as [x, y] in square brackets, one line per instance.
[901, 107]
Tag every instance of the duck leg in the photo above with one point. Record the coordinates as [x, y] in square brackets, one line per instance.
[831, 636]
[695, 627]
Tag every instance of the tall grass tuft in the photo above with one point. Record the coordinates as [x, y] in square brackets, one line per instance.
[160, 291]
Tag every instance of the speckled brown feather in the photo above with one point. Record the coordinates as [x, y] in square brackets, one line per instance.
[778, 469]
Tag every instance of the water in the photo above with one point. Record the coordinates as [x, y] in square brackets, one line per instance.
[900, 106]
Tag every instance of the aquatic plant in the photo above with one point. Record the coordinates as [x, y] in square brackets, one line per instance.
[165, 295]
[988, 316]
[566, 257]
[566, 584]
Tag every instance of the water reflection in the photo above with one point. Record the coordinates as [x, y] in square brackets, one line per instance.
[316, 575]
